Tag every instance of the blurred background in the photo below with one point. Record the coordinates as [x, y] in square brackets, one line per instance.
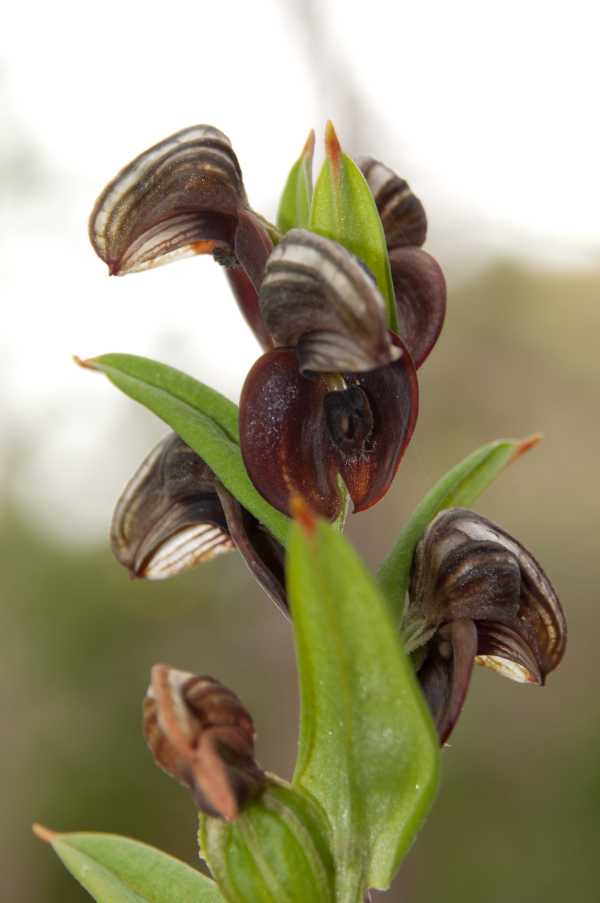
[490, 111]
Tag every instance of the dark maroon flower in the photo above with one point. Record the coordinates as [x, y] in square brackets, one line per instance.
[175, 514]
[349, 384]
[337, 398]
[184, 196]
[479, 597]
[419, 282]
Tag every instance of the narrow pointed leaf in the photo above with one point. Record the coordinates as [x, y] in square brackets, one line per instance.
[119, 870]
[459, 488]
[205, 420]
[368, 748]
[343, 209]
[294, 207]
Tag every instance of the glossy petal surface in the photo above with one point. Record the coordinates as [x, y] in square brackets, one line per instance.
[289, 446]
[393, 395]
[446, 673]
[263, 555]
[512, 653]
[178, 198]
[468, 567]
[318, 298]
[252, 246]
[401, 211]
[169, 517]
[175, 514]
[283, 436]
[420, 289]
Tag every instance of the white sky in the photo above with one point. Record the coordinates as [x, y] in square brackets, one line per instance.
[492, 108]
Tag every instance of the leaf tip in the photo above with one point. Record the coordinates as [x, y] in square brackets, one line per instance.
[525, 445]
[309, 146]
[43, 833]
[333, 147]
[87, 363]
[303, 514]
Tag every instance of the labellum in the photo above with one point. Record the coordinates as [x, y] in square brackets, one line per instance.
[338, 397]
[419, 284]
[200, 734]
[175, 514]
[182, 197]
[484, 599]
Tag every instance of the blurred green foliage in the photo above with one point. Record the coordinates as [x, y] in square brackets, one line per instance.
[518, 815]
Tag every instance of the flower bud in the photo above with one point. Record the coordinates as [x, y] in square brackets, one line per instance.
[484, 599]
[200, 734]
[278, 849]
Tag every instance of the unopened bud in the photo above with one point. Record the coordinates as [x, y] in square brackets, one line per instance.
[200, 734]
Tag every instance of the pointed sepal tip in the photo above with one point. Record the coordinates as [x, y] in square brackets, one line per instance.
[43, 833]
[309, 146]
[526, 445]
[333, 147]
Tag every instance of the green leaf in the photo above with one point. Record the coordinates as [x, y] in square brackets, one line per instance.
[459, 488]
[205, 420]
[344, 210]
[277, 851]
[368, 751]
[294, 207]
[119, 870]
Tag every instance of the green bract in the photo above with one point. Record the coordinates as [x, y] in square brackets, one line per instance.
[368, 750]
[344, 210]
[277, 851]
[119, 870]
[294, 207]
